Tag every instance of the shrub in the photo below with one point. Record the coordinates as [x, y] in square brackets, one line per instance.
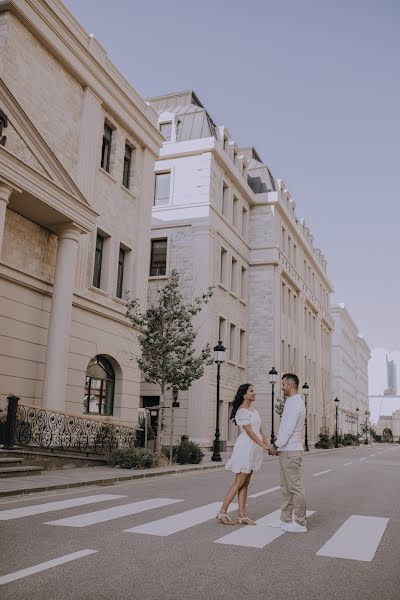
[165, 452]
[132, 458]
[349, 439]
[189, 453]
[324, 441]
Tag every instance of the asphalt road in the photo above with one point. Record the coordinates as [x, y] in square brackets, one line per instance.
[355, 528]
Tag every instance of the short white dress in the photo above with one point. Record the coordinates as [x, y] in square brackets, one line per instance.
[247, 456]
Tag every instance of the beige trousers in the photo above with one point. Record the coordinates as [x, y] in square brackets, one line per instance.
[294, 498]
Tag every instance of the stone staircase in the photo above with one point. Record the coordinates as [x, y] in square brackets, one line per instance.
[15, 467]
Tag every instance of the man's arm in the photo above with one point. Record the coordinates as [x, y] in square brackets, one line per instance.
[288, 424]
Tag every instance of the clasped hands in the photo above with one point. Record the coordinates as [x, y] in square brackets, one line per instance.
[272, 451]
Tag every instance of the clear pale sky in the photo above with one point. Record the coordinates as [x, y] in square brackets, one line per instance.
[314, 85]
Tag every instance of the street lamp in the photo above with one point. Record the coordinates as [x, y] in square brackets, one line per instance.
[219, 357]
[272, 379]
[366, 426]
[306, 387]
[357, 411]
[336, 401]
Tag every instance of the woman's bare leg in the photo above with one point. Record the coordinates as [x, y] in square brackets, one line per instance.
[243, 496]
[240, 480]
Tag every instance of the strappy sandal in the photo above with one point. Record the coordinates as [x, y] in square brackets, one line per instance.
[224, 518]
[245, 521]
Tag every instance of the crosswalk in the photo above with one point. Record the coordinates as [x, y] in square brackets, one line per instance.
[357, 537]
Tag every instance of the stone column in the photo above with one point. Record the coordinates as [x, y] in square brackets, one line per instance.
[55, 375]
[87, 163]
[5, 193]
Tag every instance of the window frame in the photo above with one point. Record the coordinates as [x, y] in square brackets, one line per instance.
[152, 242]
[105, 162]
[127, 170]
[157, 175]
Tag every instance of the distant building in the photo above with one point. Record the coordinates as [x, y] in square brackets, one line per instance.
[388, 427]
[351, 354]
[391, 369]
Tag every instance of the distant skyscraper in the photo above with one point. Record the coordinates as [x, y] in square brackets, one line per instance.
[391, 378]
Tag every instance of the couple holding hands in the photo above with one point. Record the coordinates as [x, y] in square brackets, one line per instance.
[248, 451]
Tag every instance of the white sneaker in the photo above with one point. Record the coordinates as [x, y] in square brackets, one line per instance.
[294, 527]
[280, 523]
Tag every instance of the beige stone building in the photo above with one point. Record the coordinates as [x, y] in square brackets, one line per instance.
[350, 353]
[222, 219]
[76, 188]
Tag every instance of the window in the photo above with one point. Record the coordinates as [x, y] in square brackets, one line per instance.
[166, 130]
[289, 305]
[245, 221]
[235, 276]
[236, 223]
[162, 189]
[243, 284]
[225, 200]
[98, 260]
[295, 256]
[242, 347]
[222, 330]
[106, 148]
[226, 142]
[232, 342]
[235, 156]
[158, 262]
[126, 176]
[283, 298]
[223, 274]
[289, 248]
[120, 275]
[284, 240]
[99, 387]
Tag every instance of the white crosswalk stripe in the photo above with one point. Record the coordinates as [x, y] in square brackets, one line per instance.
[357, 539]
[258, 494]
[61, 560]
[257, 536]
[101, 516]
[181, 521]
[36, 509]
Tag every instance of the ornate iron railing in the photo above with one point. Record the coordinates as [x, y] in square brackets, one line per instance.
[47, 429]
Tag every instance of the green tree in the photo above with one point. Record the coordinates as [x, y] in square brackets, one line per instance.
[167, 336]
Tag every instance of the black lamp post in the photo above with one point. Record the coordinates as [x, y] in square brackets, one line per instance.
[306, 387]
[357, 411]
[272, 379]
[366, 426]
[336, 426]
[219, 356]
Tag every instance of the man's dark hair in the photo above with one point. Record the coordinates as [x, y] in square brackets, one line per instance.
[292, 377]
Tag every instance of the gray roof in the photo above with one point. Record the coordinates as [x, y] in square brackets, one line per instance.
[193, 121]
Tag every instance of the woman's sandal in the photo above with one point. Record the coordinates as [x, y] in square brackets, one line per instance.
[245, 521]
[224, 519]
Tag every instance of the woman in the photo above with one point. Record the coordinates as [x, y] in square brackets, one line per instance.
[247, 453]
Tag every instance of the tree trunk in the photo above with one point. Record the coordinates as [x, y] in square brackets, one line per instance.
[171, 434]
[160, 422]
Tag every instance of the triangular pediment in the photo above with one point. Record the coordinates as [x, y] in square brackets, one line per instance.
[24, 141]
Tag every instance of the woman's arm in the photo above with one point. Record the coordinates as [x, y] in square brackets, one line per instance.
[255, 438]
[264, 437]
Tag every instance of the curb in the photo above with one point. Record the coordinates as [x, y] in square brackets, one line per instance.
[105, 482]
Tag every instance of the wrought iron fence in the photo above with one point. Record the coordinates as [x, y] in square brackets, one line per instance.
[46, 429]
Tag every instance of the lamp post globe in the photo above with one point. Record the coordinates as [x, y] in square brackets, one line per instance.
[219, 357]
[272, 379]
[306, 388]
[336, 401]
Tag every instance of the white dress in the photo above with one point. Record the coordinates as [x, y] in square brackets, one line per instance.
[247, 456]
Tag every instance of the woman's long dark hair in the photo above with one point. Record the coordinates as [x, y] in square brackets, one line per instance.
[239, 398]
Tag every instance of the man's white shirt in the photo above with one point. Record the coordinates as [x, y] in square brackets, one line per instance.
[290, 436]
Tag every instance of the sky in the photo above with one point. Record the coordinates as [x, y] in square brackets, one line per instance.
[314, 85]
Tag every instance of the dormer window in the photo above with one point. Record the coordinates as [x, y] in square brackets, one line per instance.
[166, 130]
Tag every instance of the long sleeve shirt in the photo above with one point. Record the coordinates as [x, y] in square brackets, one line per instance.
[290, 436]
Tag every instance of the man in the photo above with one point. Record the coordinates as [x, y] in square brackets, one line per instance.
[289, 447]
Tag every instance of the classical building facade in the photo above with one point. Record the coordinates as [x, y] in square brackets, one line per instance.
[76, 188]
[388, 427]
[221, 219]
[351, 354]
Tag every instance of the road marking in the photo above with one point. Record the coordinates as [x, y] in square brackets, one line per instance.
[372, 454]
[365, 458]
[257, 536]
[181, 521]
[274, 489]
[357, 539]
[27, 511]
[100, 516]
[44, 566]
[322, 473]
[349, 463]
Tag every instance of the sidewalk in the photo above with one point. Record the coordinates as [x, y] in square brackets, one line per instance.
[58, 479]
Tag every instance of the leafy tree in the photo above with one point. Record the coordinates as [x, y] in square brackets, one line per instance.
[167, 336]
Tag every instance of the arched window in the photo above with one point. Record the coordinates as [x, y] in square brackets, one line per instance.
[99, 388]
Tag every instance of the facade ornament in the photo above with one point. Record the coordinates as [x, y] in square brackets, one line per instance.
[3, 125]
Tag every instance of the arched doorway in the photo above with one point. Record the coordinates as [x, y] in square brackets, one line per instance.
[99, 387]
[387, 435]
